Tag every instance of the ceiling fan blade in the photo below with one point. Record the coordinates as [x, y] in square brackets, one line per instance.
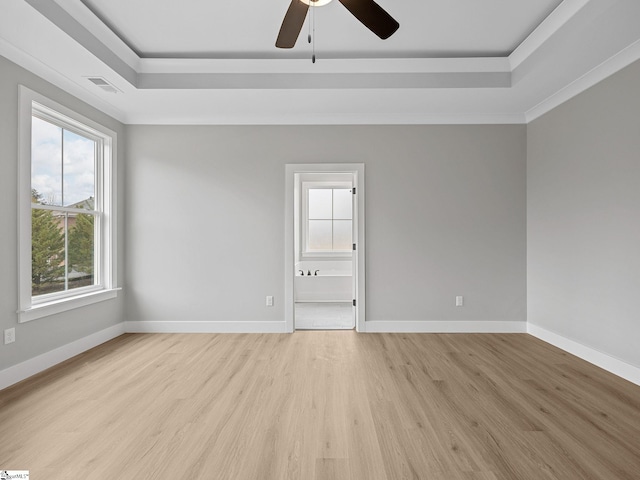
[372, 16]
[292, 24]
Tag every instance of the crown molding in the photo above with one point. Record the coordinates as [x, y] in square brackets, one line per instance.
[607, 68]
[331, 119]
[325, 65]
[35, 66]
[85, 17]
[554, 22]
[84, 36]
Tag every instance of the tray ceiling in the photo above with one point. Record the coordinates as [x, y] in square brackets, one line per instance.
[213, 61]
[224, 29]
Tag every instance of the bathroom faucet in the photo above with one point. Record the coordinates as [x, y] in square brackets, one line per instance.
[301, 272]
[316, 273]
[308, 272]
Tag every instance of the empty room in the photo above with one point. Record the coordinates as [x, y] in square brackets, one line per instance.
[320, 239]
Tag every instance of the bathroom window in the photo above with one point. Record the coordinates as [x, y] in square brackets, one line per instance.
[328, 219]
[66, 209]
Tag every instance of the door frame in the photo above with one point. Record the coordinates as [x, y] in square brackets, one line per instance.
[357, 169]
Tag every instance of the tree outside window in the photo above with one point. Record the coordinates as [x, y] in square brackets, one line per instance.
[63, 211]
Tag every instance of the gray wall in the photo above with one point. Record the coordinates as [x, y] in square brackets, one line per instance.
[45, 334]
[445, 216]
[583, 181]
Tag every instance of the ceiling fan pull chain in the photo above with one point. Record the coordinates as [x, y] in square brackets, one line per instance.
[313, 45]
[309, 36]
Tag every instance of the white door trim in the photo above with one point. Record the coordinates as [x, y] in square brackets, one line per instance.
[357, 169]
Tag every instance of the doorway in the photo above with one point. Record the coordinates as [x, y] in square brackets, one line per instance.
[324, 246]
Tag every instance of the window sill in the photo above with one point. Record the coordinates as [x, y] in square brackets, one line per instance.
[65, 304]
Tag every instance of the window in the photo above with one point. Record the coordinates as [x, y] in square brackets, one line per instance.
[328, 218]
[67, 224]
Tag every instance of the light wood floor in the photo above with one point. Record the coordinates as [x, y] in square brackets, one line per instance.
[323, 405]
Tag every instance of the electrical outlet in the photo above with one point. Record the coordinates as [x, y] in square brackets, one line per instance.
[269, 300]
[459, 301]
[9, 336]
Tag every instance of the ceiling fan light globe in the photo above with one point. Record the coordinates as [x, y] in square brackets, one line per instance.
[315, 3]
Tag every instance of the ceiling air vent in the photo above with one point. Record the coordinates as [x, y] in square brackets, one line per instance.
[103, 84]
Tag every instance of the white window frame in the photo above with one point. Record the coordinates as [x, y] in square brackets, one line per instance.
[31, 308]
[306, 253]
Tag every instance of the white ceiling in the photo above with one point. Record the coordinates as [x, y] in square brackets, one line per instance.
[213, 61]
[233, 29]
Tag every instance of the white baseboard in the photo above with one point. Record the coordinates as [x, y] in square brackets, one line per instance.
[26, 369]
[611, 364]
[453, 326]
[21, 371]
[205, 327]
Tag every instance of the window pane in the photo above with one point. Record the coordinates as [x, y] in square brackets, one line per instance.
[79, 171]
[52, 270]
[342, 203]
[81, 250]
[47, 251]
[320, 203]
[320, 235]
[342, 235]
[46, 162]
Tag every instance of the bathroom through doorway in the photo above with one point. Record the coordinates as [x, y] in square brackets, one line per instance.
[324, 267]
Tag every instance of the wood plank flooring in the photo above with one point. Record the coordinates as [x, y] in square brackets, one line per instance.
[323, 405]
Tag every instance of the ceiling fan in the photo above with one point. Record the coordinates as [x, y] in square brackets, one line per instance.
[370, 14]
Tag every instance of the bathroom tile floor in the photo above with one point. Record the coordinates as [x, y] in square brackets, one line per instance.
[324, 316]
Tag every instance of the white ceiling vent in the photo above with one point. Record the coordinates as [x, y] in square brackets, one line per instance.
[103, 84]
